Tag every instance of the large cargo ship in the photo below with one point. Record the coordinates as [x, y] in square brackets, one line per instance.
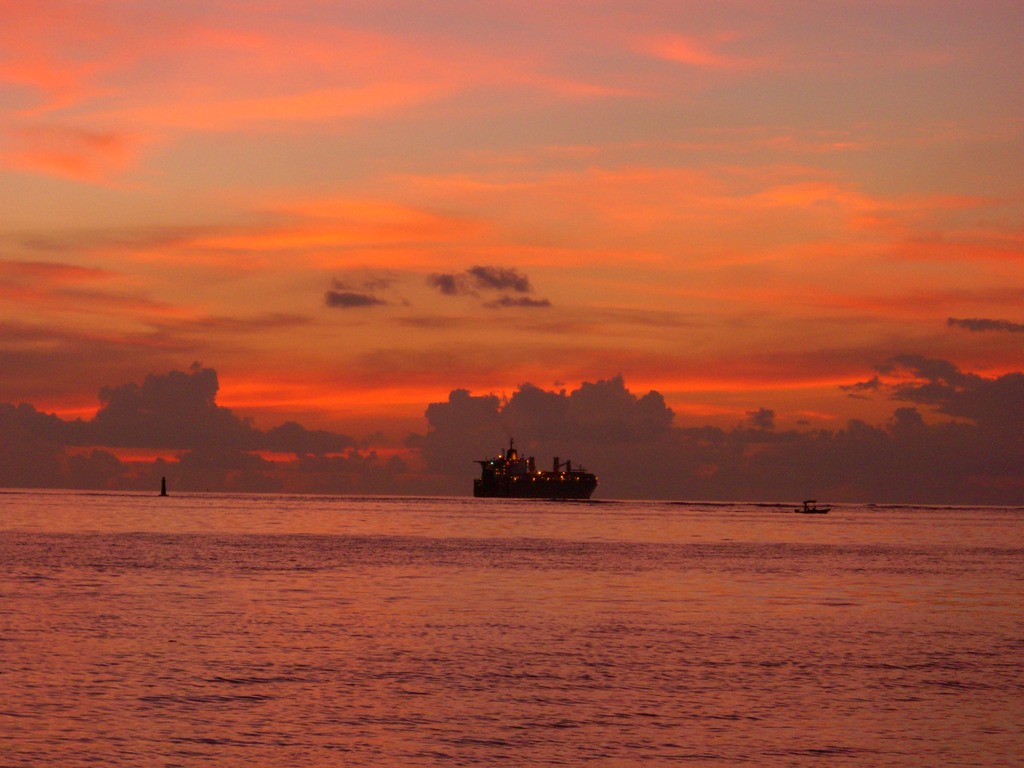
[511, 477]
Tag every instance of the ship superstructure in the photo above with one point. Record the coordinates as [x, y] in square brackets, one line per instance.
[510, 476]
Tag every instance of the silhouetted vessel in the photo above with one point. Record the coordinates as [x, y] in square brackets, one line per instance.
[810, 508]
[511, 477]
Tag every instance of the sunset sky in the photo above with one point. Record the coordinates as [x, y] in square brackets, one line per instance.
[350, 209]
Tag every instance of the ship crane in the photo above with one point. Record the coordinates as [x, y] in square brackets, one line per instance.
[557, 467]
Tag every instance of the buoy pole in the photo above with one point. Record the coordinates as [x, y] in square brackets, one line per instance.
[163, 486]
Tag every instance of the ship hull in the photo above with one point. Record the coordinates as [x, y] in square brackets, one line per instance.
[532, 487]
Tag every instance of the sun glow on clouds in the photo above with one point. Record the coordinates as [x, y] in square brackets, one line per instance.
[168, 73]
[724, 210]
[344, 400]
[343, 224]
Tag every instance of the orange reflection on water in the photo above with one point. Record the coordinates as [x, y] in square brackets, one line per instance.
[277, 630]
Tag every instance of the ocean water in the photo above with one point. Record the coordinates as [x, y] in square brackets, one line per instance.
[224, 630]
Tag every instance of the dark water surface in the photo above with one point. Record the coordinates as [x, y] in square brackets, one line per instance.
[227, 630]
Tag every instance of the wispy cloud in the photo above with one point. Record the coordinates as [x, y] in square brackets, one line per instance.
[712, 53]
[517, 301]
[73, 152]
[313, 227]
[105, 85]
[251, 324]
[51, 272]
[981, 325]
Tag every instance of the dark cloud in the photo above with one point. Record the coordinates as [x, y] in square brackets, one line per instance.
[464, 429]
[173, 411]
[517, 301]
[30, 448]
[225, 468]
[351, 300]
[363, 291]
[179, 411]
[448, 284]
[871, 385]
[19, 421]
[980, 325]
[176, 410]
[631, 443]
[535, 412]
[499, 279]
[486, 279]
[861, 389]
[607, 410]
[926, 368]
[762, 418]
[95, 469]
[601, 423]
[356, 472]
[292, 437]
[955, 438]
[995, 403]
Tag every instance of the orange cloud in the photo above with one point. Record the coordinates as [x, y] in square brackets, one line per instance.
[327, 232]
[253, 392]
[970, 247]
[76, 153]
[48, 272]
[222, 113]
[101, 305]
[108, 77]
[684, 49]
[47, 47]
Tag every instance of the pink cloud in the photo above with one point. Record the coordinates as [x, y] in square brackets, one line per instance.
[43, 47]
[702, 53]
[77, 153]
[106, 74]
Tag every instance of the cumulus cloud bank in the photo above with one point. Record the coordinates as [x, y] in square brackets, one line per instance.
[969, 449]
[630, 441]
[176, 413]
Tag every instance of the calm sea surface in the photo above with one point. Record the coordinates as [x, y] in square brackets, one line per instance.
[225, 630]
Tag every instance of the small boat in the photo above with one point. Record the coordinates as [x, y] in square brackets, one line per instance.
[810, 508]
